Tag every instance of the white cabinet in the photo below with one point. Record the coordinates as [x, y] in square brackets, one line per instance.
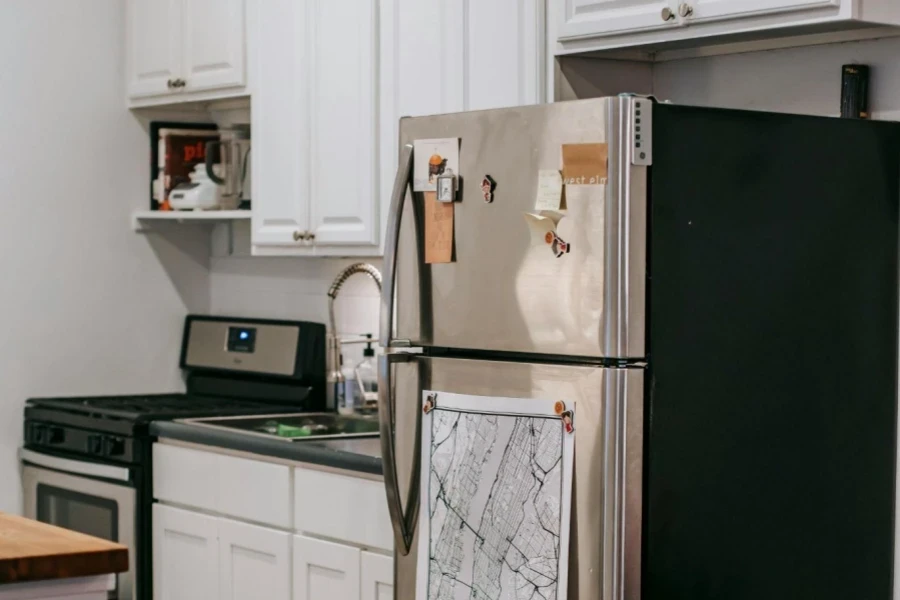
[603, 17]
[376, 577]
[325, 115]
[325, 570]
[177, 48]
[342, 70]
[315, 147]
[201, 556]
[254, 562]
[708, 10]
[655, 25]
[153, 39]
[185, 554]
[214, 44]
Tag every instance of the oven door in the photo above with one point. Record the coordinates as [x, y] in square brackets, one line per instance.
[92, 498]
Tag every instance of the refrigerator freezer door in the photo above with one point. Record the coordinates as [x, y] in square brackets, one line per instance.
[506, 289]
[605, 549]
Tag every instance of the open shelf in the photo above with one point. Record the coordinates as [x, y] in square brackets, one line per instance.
[143, 219]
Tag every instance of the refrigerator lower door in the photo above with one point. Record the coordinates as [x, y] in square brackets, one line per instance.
[506, 289]
[605, 548]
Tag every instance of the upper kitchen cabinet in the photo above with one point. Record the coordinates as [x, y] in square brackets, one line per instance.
[314, 119]
[332, 80]
[655, 26]
[185, 50]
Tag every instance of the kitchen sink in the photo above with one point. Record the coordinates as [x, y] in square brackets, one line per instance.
[296, 426]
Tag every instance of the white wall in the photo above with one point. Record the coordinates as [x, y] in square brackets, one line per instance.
[295, 288]
[88, 306]
[798, 80]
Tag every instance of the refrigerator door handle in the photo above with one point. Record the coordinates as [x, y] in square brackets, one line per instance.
[392, 240]
[403, 522]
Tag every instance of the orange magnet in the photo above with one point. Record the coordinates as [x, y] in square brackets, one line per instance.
[560, 407]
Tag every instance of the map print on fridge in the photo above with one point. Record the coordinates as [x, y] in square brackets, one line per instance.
[433, 158]
[496, 494]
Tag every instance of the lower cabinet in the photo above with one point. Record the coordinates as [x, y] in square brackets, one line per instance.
[376, 578]
[200, 556]
[332, 571]
[254, 562]
[325, 570]
[185, 554]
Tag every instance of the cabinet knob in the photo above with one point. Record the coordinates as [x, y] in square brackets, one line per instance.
[170, 83]
[310, 236]
[177, 83]
[299, 235]
[685, 9]
[668, 14]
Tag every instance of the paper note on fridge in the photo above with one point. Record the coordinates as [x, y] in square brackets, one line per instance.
[584, 164]
[434, 158]
[550, 192]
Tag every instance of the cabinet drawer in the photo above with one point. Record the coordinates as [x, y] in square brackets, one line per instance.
[342, 507]
[254, 490]
[184, 476]
[247, 489]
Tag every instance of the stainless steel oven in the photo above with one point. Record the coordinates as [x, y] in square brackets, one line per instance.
[93, 498]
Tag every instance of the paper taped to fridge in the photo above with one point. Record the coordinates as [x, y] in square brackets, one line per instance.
[496, 498]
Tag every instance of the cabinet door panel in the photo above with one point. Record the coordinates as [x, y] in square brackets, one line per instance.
[343, 53]
[710, 10]
[185, 554]
[153, 46]
[377, 577]
[603, 17]
[254, 562]
[280, 126]
[214, 44]
[325, 570]
[505, 47]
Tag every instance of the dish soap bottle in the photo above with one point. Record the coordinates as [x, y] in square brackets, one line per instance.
[345, 396]
[367, 378]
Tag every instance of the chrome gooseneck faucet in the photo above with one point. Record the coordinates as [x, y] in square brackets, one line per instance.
[334, 340]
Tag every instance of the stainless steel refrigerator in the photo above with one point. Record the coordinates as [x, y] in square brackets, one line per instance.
[725, 320]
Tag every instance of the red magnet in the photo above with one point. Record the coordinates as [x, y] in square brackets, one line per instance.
[567, 421]
[487, 188]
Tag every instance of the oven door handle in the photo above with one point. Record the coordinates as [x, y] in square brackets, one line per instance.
[76, 467]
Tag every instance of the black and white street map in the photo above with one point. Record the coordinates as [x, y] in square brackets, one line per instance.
[496, 481]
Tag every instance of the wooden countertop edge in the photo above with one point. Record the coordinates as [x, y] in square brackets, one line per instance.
[63, 566]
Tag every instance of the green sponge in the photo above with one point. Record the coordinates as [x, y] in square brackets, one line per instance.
[291, 431]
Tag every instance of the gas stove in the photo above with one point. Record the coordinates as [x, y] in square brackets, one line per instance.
[87, 460]
[102, 426]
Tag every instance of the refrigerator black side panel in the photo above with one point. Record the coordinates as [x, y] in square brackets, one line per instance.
[771, 429]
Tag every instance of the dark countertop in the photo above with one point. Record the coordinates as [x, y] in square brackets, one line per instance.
[356, 454]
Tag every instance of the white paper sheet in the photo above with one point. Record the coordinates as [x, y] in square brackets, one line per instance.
[496, 499]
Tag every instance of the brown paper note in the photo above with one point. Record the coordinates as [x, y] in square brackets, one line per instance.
[438, 230]
[584, 164]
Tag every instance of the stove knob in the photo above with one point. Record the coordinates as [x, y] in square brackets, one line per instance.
[56, 435]
[95, 444]
[39, 434]
[113, 446]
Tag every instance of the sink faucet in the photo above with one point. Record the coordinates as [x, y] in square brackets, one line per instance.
[334, 340]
